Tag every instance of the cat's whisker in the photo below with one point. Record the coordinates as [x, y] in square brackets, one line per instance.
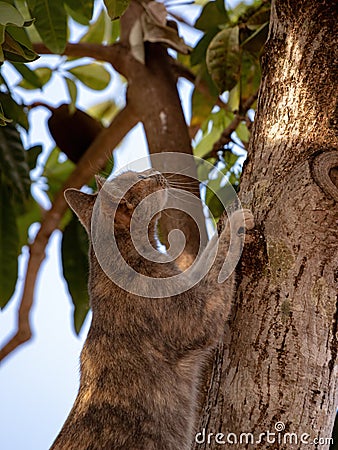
[180, 183]
[196, 193]
[185, 189]
[174, 174]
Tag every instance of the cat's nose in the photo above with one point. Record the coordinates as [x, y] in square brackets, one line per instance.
[154, 174]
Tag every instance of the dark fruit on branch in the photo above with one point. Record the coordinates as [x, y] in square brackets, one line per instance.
[73, 132]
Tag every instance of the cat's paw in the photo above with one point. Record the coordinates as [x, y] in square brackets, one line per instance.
[242, 220]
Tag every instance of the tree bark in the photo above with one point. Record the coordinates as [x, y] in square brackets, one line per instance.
[153, 95]
[277, 364]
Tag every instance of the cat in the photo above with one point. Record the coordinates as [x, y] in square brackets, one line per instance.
[141, 362]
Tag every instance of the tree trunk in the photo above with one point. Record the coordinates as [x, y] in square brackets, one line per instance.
[276, 369]
[153, 95]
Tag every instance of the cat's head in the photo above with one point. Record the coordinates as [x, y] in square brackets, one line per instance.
[120, 197]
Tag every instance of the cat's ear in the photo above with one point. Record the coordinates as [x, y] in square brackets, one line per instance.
[82, 204]
[99, 181]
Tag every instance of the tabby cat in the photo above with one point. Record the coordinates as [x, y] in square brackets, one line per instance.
[142, 359]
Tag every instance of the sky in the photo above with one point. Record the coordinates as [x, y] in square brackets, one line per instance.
[39, 381]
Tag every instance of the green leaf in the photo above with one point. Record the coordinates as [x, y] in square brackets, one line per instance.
[250, 75]
[116, 8]
[201, 106]
[243, 133]
[33, 214]
[203, 170]
[256, 41]
[217, 200]
[51, 23]
[219, 192]
[81, 10]
[2, 40]
[94, 75]
[259, 17]
[200, 50]
[2, 33]
[211, 16]
[28, 74]
[214, 203]
[44, 75]
[9, 245]
[224, 59]
[238, 11]
[57, 172]
[104, 111]
[32, 156]
[221, 6]
[16, 46]
[234, 99]
[96, 30]
[10, 15]
[219, 121]
[31, 31]
[72, 90]
[205, 75]
[14, 110]
[109, 167]
[230, 159]
[113, 32]
[74, 251]
[3, 119]
[13, 162]
[20, 35]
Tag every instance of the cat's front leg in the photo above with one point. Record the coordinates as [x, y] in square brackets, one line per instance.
[218, 285]
[224, 251]
[231, 242]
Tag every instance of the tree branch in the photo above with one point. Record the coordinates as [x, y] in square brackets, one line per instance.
[117, 56]
[180, 18]
[82, 49]
[92, 161]
[114, 54]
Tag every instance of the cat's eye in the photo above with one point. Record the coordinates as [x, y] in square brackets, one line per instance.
[142, 177]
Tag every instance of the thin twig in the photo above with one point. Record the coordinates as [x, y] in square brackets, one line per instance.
[92, 161]
[180, 18]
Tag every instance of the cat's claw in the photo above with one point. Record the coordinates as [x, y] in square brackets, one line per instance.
[242, 220]
[248, 219]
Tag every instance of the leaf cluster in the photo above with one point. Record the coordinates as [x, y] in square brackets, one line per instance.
[223, 66]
